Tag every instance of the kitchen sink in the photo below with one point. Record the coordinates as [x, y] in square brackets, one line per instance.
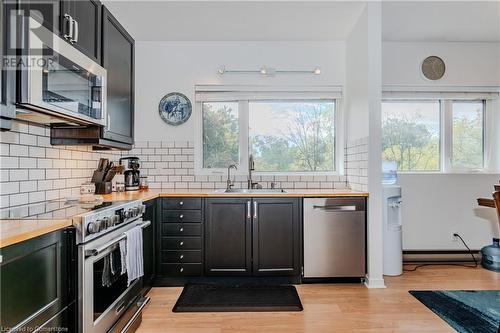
[254, 190]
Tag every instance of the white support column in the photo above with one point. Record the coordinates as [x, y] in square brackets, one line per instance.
[375, 277]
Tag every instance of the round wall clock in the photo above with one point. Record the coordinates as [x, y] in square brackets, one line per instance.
[433, 68]
[175, 108]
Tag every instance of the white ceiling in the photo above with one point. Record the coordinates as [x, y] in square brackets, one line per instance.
[467, 21]
[237, 20]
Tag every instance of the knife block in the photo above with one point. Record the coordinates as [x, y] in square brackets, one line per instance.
[103, 188]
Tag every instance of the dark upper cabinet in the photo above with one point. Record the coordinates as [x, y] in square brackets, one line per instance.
[149, 241]
[7, 78]
[276, 236]
[228, 236]
[38, 282]
[78, 22]
[118, 59]
[85, 26]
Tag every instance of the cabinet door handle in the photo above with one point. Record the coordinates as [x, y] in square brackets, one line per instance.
[181, 270]
[255, 209]
[75, 32]
[181, 243]
[181, 216]
[181, 229]
[181, 257]
[181, 203]
[68, 26]
[249, 209]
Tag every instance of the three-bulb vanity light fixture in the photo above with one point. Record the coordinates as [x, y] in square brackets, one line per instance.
[267, 71]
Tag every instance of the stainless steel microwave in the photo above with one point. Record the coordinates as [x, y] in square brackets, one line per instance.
[58, 81]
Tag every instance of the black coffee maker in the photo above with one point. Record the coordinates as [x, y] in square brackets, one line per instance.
[131, 172]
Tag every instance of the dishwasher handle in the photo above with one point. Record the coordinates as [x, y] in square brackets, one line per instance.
[336, 208]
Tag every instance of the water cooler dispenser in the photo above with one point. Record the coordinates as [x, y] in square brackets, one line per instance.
[393, 243]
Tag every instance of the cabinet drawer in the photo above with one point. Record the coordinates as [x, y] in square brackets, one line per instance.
[180, 229]
[181, 269]
[173, 257]
[181, 216]
[181, 243]
[182, 203]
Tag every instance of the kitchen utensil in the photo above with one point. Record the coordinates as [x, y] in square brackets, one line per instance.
[109, 175]
[103, 162]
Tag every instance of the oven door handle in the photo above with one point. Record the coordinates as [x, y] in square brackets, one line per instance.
[97, 250]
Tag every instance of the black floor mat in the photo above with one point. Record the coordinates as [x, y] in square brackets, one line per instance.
[250, 298]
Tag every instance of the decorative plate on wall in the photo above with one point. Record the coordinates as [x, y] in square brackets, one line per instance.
[175, 108]
[433, 68]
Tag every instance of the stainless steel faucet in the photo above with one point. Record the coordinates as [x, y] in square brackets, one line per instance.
[229, 182]
[251, 167]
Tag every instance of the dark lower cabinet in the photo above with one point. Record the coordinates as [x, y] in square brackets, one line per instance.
[252, 236]
[228, 236]
[276, 236]
[38, 285]
[180, 240]
[149, 244]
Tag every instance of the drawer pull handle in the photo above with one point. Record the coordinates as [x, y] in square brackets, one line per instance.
[181, 257]
[181, 229]
[181, 216]
[181, 203]
[181, 243]
[181, 270]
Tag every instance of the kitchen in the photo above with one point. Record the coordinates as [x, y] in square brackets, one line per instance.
[195, 133]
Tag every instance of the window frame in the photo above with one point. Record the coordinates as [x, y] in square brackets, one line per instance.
[243, 118]
[446, 134]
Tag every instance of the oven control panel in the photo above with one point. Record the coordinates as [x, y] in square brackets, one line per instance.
[99, 222]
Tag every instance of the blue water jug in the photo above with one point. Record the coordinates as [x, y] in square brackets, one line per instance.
[491, 256]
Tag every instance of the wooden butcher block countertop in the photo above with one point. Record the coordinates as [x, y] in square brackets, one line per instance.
[13, 231]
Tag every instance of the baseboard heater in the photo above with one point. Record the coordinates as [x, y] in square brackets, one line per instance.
[416, 257]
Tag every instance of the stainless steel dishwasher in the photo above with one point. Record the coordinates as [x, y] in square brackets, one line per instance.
[334, 237]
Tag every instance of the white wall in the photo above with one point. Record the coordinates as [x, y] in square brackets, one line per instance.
[435, 205]
[356, 101]
[163, 67]
[467, 64]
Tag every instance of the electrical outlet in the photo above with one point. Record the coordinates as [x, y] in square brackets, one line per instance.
[453, 237]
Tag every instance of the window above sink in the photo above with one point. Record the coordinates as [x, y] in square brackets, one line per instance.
[286, 132]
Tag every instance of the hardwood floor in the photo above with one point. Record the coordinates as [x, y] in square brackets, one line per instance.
[330, 307]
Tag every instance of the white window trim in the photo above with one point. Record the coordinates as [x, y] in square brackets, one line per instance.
[446, 99]
[227, 94]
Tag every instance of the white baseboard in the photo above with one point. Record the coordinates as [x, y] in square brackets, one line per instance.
[374, 283]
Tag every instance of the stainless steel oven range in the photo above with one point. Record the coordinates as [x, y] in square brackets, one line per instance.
[113, 306]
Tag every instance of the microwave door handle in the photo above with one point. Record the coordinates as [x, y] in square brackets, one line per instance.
[75, 31]
[68, 26]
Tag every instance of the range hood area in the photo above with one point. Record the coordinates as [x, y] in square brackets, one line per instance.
[75, 135]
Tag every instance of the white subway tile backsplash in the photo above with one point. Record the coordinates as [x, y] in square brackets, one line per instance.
[37, 152]
[9, 162]
[18, 174]
[9, 137]
[35, 174]
[38, 130]
[27, 139]
[9, 188]
[19, 199]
